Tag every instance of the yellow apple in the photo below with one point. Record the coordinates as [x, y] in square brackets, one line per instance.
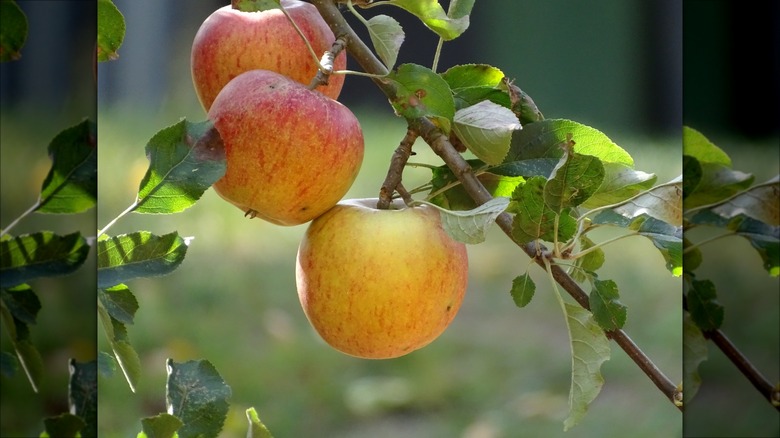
[292, 153]
[230, 42]
[380, 284]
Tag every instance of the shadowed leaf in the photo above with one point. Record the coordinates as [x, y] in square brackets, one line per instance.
[387, 36]
[160, 426]
[140, 254]
[703, 305]
[13, 31]
[43, 254]
[608, 312]
[198, 395]
[523, 289]
[694, 353]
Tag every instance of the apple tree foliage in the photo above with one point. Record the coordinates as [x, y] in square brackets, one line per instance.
[556, 180]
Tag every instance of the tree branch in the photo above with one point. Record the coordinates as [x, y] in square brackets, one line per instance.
[395, 171]
[441, 145]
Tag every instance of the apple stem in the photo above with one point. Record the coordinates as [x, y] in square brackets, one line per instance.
[301, 34]
[392, 181]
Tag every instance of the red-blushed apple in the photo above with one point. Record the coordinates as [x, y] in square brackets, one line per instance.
[230, 42]
[292, 153]
[379, 284]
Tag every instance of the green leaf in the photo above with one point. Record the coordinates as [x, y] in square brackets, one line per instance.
[694, 353]
[460, 8]
[13, 31]
[717, 184]
[43, 254]
[31, 362]
[198, 395]
[71, 185]
[534, 219]
[486, 129]
[386, 36]
[620, 183]
[255, 5]
[667, 239]
[82, 394]
[422, 93]
[543, 139]
[663, 202]
[119, 302]
[9, 366]
[256, 427]
[765, 239]
[691, 259]
[588, 263]
[185, 160]
[470, 226]
[160, 426]
[456, 198]
[522, 104]
[703, 305]
[692, 174]
[573, 180]
[696, 145]
[125, 355]
[110, 30]
[63, 426]
[589, 348]
[106, 364]
[433, 16]
[527, 168]
[22, 302]
[523, 289]
[140, 254]
[474, 83]
[608, 312]
[761, 202]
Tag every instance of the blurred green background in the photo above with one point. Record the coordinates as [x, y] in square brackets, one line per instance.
[498, 371]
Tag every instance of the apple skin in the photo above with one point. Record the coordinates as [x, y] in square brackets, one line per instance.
[379, 284]
[230, 42]
[291, 153]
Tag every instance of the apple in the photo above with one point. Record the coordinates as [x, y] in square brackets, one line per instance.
[379, 284]
[230, 42]
[292, 153]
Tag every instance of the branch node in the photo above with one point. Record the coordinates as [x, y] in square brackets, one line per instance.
[392, 181]
[327, 62]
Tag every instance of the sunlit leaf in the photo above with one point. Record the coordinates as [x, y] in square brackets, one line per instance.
[663, 202]
[486, 130]
[590, 349]
[534, 219]
[160, 426]
[523, 289]
[761, 203]
[474, 83]
[63, 425]
[83, 393]
[703, 305]
[140, 254]
[620, 183]
[543, 139]
[607, 310]
[43, 254]
[573, 180]
[185, 159]
[422, 93]
[433, 16]
[255, 5]
[256, 427]
[456, 198]
[197, 394]
[110, 30]
[471, 226]
[694, 353]
[71, 185]
[460, 8]
[696, 145]
[119, 302]
[13, 31]
[386, 36]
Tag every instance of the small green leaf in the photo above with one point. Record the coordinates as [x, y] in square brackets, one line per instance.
[82, 394]
[160, 426]
[694, 353]
[125, 355]
[534, 219]
[110, 30]
[667, 239]
[433, 16]
[543, 139]
[474, 83]
[764, 238]
[486, 129]
[522, 104]
[256, 427]
[119, 302]
[703, 305]
[620, 183]
[523, 289]
[185, 160]
[13, 31]
[470, 226]
[63, 426]
[22, 302]
[9, 366]
[608, 312]
[663, 202]
[761, 202]
[255, 5]
[456, 198]
[590, 349]
[140, 254]
[696, 145]
[386, 36]
[588, 263]
[573, 180]
[422, 93]
[198, 395]
[460, 8]
[106, 364]
[71, 185]
[43, 254]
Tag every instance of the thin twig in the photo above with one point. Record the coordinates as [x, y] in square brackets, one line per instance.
[442, 146]
[328, 62]
[396, 169]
